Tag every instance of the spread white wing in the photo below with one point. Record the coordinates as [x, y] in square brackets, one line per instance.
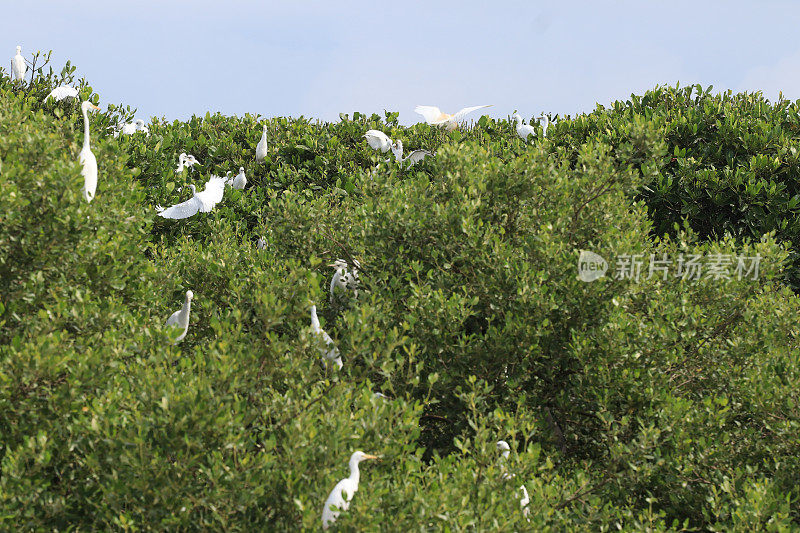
[416, 156]
[181, 210]
[430, 112]
[212, 194]
[459, 116]
[377, 139]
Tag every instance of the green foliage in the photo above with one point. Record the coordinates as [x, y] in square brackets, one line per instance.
[658, 404]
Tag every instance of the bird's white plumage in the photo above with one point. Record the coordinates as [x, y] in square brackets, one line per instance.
[186, 161]
[261, 243]
[344, 277]
[378, 140]
[140, 126]
[545, 124]
[180, 318]
[203, 201]
[434, 116]
[62, 92]
[18, 66]
[329, 352]
[339, 498]
[524, 501]
[261, 148]
[239, 181]
[86, 158]
[412, 159]
[523, 130]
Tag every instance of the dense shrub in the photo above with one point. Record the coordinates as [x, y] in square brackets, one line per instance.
[660, 403]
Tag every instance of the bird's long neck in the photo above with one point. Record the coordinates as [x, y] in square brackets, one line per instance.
[519, 120]
[314, 319]
[187, 306]
[85, 129]
[355, 475]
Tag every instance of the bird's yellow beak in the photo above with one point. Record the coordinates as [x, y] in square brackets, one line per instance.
[95, 107]
[367, 456]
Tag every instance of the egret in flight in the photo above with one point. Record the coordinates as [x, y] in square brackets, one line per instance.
[344, 278]
[339, 498]
[62, 92]
[413, 158]
[203, 201]
[434, 116]
[186, 161]
[180, 318]
[239, 181]
[329, 352]
[18, 66]
[86, 157]
[378, 140]
[261, 148]
[523, 130]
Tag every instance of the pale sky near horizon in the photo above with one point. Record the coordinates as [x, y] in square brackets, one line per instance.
[317, 59]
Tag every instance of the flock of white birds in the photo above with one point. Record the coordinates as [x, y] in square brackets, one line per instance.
[345, 276]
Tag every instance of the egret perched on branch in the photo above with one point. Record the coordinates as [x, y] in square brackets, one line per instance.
[86, 157]
[186, 161]
[132, 127]
[261, 148]
[378, 140]
[434, 116]
[505, 452]
[181, 318]
[239, 181]
[343, 278]
[524, 501]
[18, 66]
[62, 92]
[523, 130]
[203, 201]
[545, 124]
[339, 498]
[329, 352]
[413, 158]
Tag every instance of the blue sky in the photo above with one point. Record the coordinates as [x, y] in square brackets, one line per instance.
[178, 58]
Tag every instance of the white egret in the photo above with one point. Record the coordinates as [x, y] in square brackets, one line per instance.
[130, 128]
[523, 503]
[62, 92]
[261, 148]
[180, 318]
[86, 157]
[203, 201]
[18, 66]
[344, 278]
[239, 181]
[505, 452]
[433, 115]
[329, 352]
[186, 161]
[545, 124]
[339, 498]
[378, 140]
[261, 244]
[413, 158]
[523, 130]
